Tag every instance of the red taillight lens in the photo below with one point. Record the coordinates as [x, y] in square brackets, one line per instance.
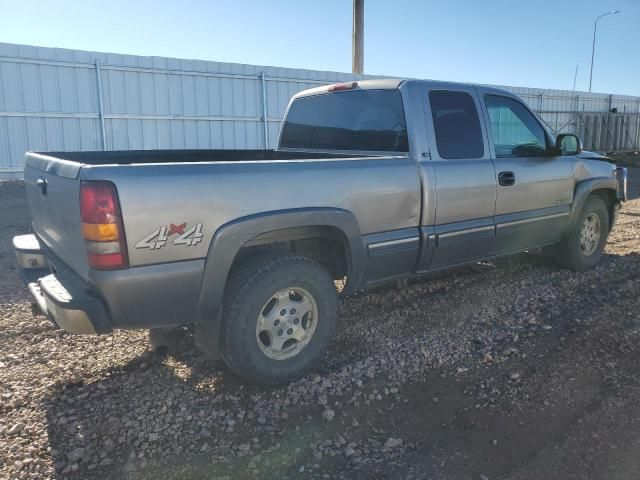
[98, 202]
[106, 261]
[102, 225]
[343, 86]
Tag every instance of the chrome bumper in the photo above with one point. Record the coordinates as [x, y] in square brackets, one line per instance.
[55, 304]
[621, 177]
[58, 292]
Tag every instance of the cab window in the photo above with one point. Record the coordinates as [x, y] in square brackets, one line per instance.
[456, 125]
[352, 120]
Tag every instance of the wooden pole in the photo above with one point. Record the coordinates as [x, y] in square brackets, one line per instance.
[358, 37]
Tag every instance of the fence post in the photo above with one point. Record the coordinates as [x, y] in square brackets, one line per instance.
[101, 105]
[540, 102]
[638, 128]
[265, 121]
[577, 116]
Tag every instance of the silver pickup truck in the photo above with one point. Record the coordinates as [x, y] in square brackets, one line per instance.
[371, 181]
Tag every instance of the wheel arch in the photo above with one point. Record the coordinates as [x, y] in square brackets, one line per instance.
[326, 244]
[262, 229]
[604, 187]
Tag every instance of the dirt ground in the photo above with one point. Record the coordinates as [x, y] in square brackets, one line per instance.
[514, 369]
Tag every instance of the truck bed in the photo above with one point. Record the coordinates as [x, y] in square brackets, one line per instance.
[209, 188]
[128, 157]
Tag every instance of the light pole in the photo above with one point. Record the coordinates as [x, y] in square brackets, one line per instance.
[593, 47]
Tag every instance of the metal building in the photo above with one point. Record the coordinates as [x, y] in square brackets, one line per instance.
[58, 99]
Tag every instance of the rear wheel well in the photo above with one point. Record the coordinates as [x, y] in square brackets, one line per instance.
[326, 245]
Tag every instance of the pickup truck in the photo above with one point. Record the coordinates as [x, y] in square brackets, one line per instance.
[371, 181]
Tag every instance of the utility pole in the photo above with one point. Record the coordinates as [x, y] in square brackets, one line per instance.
[357, 65]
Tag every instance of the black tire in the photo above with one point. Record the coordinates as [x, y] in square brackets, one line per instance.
[570, 253]
[248, 290]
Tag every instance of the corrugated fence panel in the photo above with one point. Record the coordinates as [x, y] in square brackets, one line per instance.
[49, 100]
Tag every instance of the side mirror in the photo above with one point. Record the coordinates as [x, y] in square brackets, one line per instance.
[568, 144]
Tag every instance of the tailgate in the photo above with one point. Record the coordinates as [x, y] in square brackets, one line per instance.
[53, 193]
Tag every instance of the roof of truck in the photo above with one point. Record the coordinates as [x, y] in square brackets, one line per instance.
[383, 84]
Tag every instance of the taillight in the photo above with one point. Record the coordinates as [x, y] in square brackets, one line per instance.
[336, 87]
[102, 225]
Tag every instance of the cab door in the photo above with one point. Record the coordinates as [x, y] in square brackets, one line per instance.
[534, 184]
[459, 173]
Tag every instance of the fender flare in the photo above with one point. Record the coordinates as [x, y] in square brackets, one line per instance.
[231, 237]
[584, 189]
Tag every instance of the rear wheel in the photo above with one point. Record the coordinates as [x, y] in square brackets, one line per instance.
[583, 247]
[280, 313]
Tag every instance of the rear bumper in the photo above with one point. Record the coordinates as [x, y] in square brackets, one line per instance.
[151, 296]
[59, 293]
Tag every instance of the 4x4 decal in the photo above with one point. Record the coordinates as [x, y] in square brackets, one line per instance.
[186, 236]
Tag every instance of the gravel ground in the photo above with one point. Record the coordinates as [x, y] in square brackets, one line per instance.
[512, 369]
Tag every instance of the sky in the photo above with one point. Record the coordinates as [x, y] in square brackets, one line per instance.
[533, 43]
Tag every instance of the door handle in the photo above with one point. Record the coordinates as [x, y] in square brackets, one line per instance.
[42, 183]
[506, 179]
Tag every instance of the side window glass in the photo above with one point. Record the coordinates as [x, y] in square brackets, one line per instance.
[456, 125]
[515, 131]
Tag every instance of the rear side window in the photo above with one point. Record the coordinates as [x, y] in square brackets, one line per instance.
[350, 120]
[456, 125]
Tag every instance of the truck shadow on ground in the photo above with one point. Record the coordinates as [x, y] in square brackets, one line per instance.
[171, 407]
[115, 426]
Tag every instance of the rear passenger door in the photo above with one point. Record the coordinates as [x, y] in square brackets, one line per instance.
[535, 186]
[462, 228]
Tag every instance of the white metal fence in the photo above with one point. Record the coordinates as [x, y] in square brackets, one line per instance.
[59, 99]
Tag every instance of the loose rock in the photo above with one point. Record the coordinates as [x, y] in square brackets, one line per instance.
[16, 428]
[392, 442]
[328, 414]
[74, 456]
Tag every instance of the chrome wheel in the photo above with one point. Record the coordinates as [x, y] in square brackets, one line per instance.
[590, 234]
[286, 323]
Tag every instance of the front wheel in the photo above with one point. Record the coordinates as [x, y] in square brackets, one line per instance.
[583, 247]
[279, 315]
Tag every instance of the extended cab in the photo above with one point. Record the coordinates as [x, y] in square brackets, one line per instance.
[371, 181]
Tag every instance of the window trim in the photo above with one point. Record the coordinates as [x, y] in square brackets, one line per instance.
[535, 118]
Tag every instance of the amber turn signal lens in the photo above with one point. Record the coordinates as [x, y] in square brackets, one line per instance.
[100, 232]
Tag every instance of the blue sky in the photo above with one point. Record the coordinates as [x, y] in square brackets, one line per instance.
[534, 43]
